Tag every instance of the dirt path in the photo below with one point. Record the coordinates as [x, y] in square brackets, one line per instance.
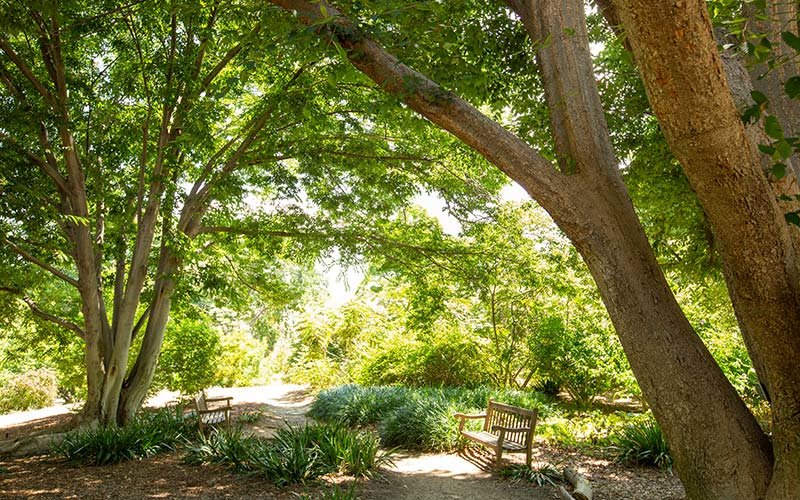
[414, 476]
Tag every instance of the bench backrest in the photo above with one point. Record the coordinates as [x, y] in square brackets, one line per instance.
[511, 416]
[200, 401]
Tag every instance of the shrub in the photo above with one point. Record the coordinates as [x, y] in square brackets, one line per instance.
[294, 455]
[643, 443]
[190, 353]
[353, 405]
[24, 391]
[421, 424]
[446, 360]
[232, 449]
[147, 435]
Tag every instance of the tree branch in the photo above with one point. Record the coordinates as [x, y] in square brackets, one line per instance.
[28, 73]
[47, 267]
[508, 152]
[39, 313]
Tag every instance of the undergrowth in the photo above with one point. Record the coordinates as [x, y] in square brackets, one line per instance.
[295, 455]
[147, 435]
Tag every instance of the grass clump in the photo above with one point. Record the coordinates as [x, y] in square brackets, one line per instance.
[424, 424]
[147, 435]
[541, 475]
[295, 455]
[356, 406]
[643, 443]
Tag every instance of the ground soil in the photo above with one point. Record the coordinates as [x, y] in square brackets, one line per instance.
[466, 475]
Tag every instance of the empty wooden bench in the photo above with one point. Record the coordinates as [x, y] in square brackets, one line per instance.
[505, 428]
[218, 413]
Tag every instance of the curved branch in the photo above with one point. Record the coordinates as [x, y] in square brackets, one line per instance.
[39, 313]
[44, 265]
[28, 73]
[508, 152]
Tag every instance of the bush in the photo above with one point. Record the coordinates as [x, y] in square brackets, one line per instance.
[354, 406]
[25, 391]
[414, 418]
[294, 455]
[190, 352]
[643, 443]
[147, 435]
[421, 424]
[446, 360]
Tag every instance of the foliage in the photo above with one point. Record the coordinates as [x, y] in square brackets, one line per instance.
[354, 405]
[447, 359]
[643, 443]
[250, 417]
[337, 492]
[295, 455]
[148, 434]
[24, 391]
[540, 475]
[413, 418]
[189, 355]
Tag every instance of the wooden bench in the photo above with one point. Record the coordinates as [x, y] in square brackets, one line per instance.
[505, 428]
[218, 414]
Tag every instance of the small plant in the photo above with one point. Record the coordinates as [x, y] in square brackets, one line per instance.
[250, 417]
[541, 475]
[335, 493]
[643, 443]
[230, 448]
[147, 435]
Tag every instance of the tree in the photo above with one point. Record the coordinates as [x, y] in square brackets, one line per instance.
[582, 190]
[136, 138]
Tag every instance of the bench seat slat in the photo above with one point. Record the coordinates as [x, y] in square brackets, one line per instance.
[491, 440]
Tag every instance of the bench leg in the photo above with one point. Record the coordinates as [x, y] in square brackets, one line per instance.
[499, 458]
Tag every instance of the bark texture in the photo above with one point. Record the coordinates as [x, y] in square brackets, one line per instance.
[683, 74]
[712, 433]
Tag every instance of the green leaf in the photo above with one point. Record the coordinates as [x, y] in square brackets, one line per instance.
[751, 114]
[766, 149]
[792, 87]
[792, 218]
[773, 128]
[758, 97]
[791, 40]
[779, 170]
[784, 149]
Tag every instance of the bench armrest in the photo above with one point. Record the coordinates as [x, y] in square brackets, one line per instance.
[463, 415]
[220, 399]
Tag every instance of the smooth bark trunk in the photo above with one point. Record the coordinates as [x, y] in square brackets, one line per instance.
[683, 75]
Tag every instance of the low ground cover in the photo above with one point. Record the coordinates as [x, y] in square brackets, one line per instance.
[421, 419]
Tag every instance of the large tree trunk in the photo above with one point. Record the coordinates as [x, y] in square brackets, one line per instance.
[668, 357]
[592, 207]
[678, 58]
